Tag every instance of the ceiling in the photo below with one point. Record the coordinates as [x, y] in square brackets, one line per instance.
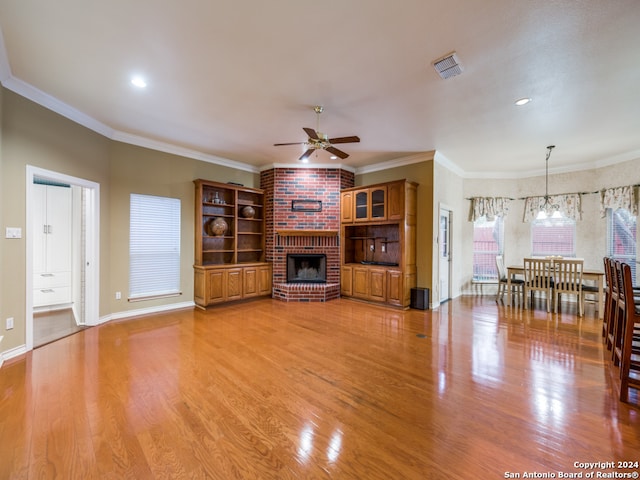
[228, 79]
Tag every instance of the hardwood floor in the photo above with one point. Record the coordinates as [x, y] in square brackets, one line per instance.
[342, 389]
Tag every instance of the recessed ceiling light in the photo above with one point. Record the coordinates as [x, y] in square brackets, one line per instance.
[333, 157]
[522, 101]
[138, 81]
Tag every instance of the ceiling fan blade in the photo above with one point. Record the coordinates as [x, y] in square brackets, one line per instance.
[312, 133]
[307, 154]
[294, 143]
[353, 139]
[336, 152]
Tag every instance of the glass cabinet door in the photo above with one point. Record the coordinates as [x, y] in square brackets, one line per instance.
[362, 205]
[378, 203]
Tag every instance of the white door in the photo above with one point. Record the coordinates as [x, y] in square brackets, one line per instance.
[445, 255]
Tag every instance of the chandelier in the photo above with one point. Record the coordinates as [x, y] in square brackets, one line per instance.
[548, 208]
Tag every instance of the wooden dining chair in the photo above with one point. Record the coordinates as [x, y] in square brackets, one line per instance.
[628, 353]
[606, 317]
[567, 275]
[517, 284]
[538, 277]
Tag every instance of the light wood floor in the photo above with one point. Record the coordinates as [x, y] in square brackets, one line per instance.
[271, 390]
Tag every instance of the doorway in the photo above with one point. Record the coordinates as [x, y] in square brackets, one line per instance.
[75, 305]
[444, 264]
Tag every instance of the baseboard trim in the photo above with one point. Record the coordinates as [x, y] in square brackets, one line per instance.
[12, 353]
[145, 311]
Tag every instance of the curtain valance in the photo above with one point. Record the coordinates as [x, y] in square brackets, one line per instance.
[490, 207]
[618, 197]
[570, 204]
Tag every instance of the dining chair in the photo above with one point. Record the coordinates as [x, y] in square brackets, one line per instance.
[538, 277]
[627, 353]
[607, 316]
[517, 284]
[567, 274]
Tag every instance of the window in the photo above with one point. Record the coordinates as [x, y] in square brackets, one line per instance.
[621, 237]
[488, 242]
[555, 235]
[154, 246]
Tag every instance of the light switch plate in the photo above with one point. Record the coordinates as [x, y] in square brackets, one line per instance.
[13, 232]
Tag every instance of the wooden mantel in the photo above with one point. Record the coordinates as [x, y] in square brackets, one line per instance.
[307, 233]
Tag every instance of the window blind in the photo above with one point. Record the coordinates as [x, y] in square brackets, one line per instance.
[621, 237]
[553, 236]
[488, 242]
[154, 246]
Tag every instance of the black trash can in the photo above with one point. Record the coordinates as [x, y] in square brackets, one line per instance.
[420, 298]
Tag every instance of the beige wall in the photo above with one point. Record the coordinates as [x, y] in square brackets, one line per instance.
[33, 135]
[420, 172]
[143, 171]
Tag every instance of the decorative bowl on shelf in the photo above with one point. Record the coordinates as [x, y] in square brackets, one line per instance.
[218, 227]
[248, 212]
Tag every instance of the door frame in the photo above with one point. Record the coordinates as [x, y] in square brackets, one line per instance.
[442, 208]
[91, 219]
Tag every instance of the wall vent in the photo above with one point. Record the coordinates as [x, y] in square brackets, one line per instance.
[448, 66]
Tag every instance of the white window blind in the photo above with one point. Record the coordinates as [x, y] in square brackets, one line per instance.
[554, 235]
[621, 237]
[154, 246]
[488, 242]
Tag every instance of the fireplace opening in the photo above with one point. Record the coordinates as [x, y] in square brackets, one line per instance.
[306, 268]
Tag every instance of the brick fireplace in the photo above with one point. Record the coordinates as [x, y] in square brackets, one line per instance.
[312, 229]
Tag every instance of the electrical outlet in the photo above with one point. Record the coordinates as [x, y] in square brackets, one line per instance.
[384, 247]
[118, 295]
[9, 325]
[372, 247]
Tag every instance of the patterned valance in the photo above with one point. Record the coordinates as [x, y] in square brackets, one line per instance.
[490, 207]
[569, 204]
[619, 197]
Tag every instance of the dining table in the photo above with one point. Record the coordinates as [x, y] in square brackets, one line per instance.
[587, 274]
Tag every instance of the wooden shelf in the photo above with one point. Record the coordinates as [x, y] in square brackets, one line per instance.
[231, 266]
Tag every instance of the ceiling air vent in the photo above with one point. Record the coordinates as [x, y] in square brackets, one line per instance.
[448, 66]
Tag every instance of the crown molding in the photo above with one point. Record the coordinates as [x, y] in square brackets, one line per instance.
[5, 69]
[399, 162]
[180, 151]
[45, 100]
[322, 166]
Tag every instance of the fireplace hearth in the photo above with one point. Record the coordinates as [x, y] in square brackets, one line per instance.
[306, 268]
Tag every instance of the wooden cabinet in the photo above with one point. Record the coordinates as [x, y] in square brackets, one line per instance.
[378, 242]
[226, 283]
[394, 287]
[346, 207]
[346, 281]
[229, 243]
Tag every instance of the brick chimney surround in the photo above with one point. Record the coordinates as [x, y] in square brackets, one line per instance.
[290, 231]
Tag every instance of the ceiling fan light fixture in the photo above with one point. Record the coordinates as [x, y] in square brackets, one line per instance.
[448, 66]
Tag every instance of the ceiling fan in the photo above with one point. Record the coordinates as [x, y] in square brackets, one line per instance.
[319, 140]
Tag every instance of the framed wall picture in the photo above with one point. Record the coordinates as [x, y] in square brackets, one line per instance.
[306, 205]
